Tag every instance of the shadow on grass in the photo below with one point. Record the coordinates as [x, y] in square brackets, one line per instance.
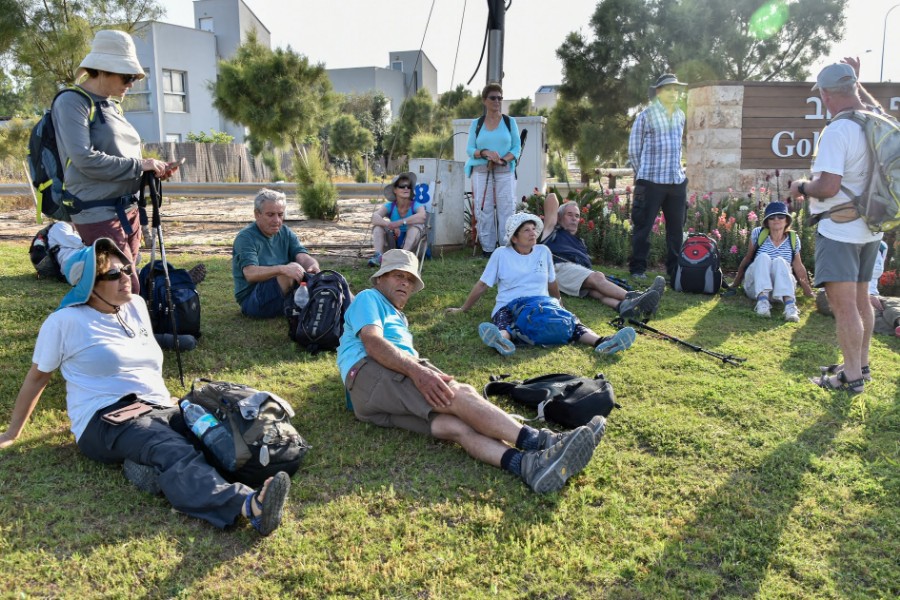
[726, 551]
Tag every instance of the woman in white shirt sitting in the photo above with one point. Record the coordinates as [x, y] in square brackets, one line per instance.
[524, 269]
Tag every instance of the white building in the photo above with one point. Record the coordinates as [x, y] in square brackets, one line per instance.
[546, 97]
[181, 63]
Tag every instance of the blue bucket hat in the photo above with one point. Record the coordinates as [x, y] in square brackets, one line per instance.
[776, 208]
[81, 271]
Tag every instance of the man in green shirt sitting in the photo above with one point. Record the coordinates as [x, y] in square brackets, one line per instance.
[268, 259]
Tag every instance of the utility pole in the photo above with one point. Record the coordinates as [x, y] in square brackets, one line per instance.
[496, 31]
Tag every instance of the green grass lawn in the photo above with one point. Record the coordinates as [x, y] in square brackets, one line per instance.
[713, 480]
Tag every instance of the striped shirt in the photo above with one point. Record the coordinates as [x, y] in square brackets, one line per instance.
[781, 251]
[654, 146]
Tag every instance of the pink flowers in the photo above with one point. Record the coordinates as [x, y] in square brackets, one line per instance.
[591, 225]
[751, 217]
[584, 210]
[733, 250]
[716, 234]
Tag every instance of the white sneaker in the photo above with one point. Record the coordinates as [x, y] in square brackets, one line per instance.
[763, 308]
[791, 312]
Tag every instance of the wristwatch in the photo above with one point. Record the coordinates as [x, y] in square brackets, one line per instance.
[802, 187]
[404, 221]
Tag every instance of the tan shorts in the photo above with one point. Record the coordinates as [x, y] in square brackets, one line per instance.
[570, 277]
[387, 398]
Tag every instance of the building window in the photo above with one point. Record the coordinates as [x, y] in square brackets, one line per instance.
[173, 137]
[173, 91]
[138, 97]
[206, 24]
[397, 65]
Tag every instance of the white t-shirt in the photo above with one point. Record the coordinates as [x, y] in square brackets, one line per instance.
[842, 151]
[519, 275]
[98, 360]
[64, 235]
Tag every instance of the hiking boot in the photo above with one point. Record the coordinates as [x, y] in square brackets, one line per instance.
[641, 307]
[144, 477]
[375, 261]
[791, 312]
[547, 438]
[659, 285]
[620, 340]
[548, 470]
[763, 308]
[197, 273]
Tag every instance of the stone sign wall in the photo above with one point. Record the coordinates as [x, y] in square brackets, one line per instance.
[739, 133]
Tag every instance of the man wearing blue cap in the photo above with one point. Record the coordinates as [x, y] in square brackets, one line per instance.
[654, 149]
[845, 246]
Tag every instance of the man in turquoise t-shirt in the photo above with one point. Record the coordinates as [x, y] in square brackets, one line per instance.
[267, 259]
[389, 385]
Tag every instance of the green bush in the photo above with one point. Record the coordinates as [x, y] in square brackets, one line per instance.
[426, 145]
[213, 137]
[14, 139]
[318, 196]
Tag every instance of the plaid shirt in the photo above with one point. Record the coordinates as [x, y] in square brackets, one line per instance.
[654, 146]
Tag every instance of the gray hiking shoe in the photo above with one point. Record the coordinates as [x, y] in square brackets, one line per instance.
[548, 470]
[644, 306]
[547, 438]
[144, 477]
[659, 285]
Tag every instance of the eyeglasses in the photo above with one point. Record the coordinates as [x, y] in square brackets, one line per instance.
[126, 79]
[777, 217]
[403, 186]
[115, 273]
[495, 98]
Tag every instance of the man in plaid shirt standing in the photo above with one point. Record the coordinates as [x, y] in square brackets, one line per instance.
[654, 149]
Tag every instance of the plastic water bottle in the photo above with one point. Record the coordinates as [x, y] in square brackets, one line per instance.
[301, 296]
[210, 431]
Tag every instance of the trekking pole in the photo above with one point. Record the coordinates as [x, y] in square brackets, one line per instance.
[156, 198]
[643, 327]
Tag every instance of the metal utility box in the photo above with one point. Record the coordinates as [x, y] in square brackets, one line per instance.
[440, 184]
[532, 169]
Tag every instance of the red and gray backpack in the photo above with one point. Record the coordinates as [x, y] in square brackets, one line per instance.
[699, 270]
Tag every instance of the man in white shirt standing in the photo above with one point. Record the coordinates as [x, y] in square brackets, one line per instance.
[845, 246]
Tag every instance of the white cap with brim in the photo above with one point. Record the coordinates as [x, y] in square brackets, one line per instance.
[399, 260]
[835, 75]
[81, 271]
[517, 220]
[113, 51]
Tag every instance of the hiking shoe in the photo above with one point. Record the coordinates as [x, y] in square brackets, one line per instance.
[375, 261]
[620, 340]
[659, 285]
[791, 312]
[641, 307]
[197, 273]
[144, 477]
[548, 438]
[639, 276]
[548, 470]
[632, 294]
[763, 308]
[491, 336]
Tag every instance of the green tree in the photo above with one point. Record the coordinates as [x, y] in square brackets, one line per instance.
[520, 107]
[277, 94]
[46, 39]
[349, 138]
[419, 114]
[607, 76]
[373, 112]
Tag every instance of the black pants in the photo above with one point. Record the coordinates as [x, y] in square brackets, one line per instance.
[649, 197]
[158, 439]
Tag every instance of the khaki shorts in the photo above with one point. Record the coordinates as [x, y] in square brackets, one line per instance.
[387, 398]
[570, 277]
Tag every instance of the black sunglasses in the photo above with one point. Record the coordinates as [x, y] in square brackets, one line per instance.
[115, 273]
[403, 186]
[126, 79]
[495, 98]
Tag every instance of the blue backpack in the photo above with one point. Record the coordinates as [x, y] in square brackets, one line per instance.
[539, 320]
[185, 299]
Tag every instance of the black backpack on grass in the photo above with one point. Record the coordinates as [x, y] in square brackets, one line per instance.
[43, 256]
[318, 325]
[568, 400]
[699, 270]
[185, 299]
[265, 441]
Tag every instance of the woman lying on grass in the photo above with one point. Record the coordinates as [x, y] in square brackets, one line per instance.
[524, 275]
[101, 340]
